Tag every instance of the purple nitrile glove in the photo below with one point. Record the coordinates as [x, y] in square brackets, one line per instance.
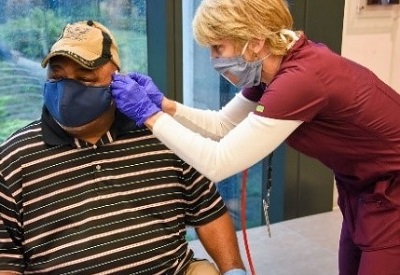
[131, 99]
[151, 89]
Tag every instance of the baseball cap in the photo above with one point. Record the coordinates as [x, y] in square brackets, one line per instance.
[88, 43]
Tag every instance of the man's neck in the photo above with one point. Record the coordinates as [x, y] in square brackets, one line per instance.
[94, 131]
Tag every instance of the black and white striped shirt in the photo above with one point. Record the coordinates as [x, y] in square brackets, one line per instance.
[118, 207]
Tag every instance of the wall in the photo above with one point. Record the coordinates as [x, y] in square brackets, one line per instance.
[371, 37]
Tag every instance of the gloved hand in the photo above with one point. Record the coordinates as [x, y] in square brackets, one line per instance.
[151, 89]
[132, 99]
[236, 271]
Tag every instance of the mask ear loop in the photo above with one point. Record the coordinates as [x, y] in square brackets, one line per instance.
[244, 48]
[261, 59]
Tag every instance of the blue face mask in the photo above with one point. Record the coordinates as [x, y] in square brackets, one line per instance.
[238, 71]
[73, 104]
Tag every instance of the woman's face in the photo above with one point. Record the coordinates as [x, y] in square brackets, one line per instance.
[251, 51]
[225, 48]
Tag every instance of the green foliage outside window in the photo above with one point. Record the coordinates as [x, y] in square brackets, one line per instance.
[33, 35]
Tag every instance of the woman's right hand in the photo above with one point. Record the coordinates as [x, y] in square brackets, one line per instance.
[158, 98]
[131, 99]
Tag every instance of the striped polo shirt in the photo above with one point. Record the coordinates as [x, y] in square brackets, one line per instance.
[118, 207]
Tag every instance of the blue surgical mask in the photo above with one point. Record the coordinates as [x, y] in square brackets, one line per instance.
[73, 104]
[238, 71]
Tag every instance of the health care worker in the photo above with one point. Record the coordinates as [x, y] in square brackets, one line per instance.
[294, 91]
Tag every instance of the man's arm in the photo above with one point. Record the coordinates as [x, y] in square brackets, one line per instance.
[219, 239]
[10, 258]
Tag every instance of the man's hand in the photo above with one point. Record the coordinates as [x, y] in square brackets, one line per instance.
[132, 99]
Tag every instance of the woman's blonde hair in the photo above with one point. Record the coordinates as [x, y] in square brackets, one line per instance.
[243, 20]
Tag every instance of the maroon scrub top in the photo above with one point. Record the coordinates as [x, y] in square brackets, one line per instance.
[351, 124]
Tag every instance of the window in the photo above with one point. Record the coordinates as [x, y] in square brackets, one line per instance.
[29, 28]
[205, 89]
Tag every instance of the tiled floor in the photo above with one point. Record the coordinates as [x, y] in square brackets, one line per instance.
[303, 246]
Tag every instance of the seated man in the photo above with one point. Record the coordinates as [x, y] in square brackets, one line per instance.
[85, 191]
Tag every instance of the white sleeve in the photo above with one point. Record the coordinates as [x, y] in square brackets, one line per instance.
[215, 124]
[249, 142]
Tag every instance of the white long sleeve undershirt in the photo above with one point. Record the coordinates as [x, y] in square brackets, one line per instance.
[215, 124]
[250, 141]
